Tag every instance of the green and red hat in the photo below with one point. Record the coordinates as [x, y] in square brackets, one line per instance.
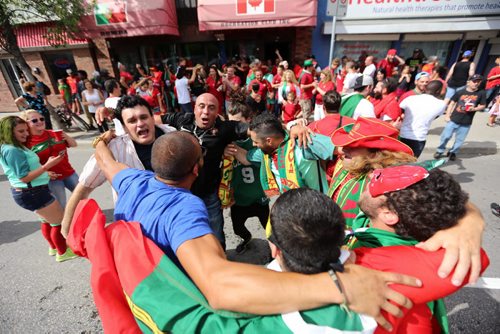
[370, 133]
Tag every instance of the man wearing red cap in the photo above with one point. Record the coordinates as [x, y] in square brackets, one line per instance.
[367, 144]
[390, 61]
[405, 205]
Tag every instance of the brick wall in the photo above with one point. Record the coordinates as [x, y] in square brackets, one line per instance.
[83, 60]
[102, 54]
[6, 100]
[303, 43]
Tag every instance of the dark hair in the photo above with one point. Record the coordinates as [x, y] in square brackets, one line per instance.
[181, 72]
[240, 108]
[441, 71]
[331, 102]
[255, 87]
[282, 67]
[110, 85]
[433, 204]
[174, 155]
[7, 125]
[29, 86]
[217, 76]
[308, 228]
[130, 101]
[266, 125]
[382, 71]
[91, 83]
[390, 84]
[83, 74]
[434, 88]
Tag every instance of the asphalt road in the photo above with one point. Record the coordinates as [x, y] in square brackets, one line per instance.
[38, 295]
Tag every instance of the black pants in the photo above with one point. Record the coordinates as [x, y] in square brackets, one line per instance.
[416, 146]
[240, 214]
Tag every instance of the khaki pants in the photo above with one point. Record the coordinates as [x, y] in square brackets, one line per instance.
[306, 107]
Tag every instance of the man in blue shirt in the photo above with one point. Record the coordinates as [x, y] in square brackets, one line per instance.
[177, 222]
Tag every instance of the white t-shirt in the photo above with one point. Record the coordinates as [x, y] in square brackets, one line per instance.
[92, 97]
[349, 81]
[182, 88]
[420, 111]
[364, 108]
[370, 70]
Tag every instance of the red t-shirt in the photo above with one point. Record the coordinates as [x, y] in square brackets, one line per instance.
[46, 146]
[492, 83]
[326, 86]
[406, 94]
[388, 66]
[151, 97]
[264, 86]
[127, 76]
[388, 106]
[424, 266]
[73, 84]
[306, 78]
[157, 79]
[289, 112]
[276, 79]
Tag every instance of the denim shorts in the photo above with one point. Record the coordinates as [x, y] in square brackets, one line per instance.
[33, 199]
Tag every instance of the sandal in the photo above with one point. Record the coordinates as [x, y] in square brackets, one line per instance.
[490, 125]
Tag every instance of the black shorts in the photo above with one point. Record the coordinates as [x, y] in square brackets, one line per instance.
[33, 199]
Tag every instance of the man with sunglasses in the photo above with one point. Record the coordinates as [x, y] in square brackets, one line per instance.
[132, 148]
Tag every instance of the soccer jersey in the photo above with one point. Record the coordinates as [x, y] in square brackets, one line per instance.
[246, 181]
[46, 146]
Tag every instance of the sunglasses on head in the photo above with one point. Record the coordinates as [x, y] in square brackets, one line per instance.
[35, 120]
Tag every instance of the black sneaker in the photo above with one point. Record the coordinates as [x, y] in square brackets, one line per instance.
[242, 247]
[452, 156]
[495, 209]
[438, 155]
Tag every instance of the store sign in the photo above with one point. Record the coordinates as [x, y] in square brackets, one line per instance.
[380, 9]
[122, 18]
[248, 14]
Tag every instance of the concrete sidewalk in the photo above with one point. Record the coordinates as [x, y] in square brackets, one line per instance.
[481, 139]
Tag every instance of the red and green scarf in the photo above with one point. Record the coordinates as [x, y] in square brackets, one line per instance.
[284, 160]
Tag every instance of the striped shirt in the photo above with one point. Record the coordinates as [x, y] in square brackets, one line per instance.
[123, 150]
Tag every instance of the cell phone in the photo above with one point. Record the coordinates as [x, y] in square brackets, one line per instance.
[61, 153]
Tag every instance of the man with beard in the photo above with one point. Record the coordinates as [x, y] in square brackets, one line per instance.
[132, 148]
[367, 144]
[421, 81]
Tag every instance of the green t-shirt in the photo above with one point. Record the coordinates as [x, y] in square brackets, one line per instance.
[246, 181]
[17, 163]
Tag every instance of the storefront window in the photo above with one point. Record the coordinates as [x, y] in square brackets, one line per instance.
[12, 74]
[357, 50]
[439, 48]
[58, 63]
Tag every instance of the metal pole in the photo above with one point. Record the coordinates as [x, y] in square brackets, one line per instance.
[332, 39]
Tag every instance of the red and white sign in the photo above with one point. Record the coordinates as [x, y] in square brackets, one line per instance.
[254, 7]
[251, 14]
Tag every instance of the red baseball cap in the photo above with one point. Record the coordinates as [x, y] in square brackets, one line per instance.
[386, 180]
[392, 52]
[370, 133]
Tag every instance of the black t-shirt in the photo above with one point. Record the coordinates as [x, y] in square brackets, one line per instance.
[215, 141]
[257, 107]
[464, 101]
[144, 151]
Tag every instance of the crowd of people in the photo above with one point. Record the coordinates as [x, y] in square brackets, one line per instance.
[339, 146]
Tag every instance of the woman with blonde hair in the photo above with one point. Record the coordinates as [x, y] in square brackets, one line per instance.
[324, 85]
[288, 83]
[29, 182]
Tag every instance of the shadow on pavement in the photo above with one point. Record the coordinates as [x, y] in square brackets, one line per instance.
[3, 178]
[258, 252]
[13, 230]
[436, 131]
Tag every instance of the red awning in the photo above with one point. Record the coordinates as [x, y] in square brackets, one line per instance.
[122, 18]
[35, 35]
[249, 14]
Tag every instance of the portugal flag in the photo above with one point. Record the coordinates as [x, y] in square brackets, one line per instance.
[249, 7]
[137, 288]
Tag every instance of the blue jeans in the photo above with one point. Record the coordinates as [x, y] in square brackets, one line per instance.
[32, 199]
[215, 218]
[450, 91]
[58, 188]
[460, 131]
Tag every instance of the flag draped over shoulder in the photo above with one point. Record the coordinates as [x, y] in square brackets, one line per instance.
[137, 288]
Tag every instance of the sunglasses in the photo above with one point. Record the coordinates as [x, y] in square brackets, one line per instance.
[35, 120]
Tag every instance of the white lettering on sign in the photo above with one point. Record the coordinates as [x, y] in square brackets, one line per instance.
[380, 9]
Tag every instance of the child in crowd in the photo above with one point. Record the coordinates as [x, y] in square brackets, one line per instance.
[65, 92]
[291, 109]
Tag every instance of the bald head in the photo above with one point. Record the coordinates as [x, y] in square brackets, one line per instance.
[174, 155]
[206, 110]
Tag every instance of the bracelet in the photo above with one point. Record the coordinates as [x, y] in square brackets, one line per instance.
[344, 305]
[97, 140]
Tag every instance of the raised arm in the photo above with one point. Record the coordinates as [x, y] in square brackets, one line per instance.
[80, 192]
[105, 159]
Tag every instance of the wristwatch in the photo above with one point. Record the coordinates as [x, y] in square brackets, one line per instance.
[97, 140]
